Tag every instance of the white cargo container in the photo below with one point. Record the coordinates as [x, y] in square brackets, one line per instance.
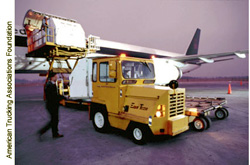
[80, 80]
[68, 33]
[57, 30]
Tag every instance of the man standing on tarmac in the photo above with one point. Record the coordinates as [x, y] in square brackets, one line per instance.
[52, 105]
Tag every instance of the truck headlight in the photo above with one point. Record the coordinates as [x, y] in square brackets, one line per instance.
[160, 111]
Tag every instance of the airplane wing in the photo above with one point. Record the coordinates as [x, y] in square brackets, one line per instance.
[208, 58]
[191, 56]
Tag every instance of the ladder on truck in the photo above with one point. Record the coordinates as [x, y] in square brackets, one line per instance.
[58, 40]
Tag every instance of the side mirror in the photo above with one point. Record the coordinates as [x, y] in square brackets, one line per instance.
[112, 74]
[112, 69]
[112, 65]
[173, 84]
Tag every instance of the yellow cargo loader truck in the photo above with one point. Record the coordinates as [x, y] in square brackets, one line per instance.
[121, 93]
[125, 97]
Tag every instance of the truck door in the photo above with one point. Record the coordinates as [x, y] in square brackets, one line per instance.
[105, 87]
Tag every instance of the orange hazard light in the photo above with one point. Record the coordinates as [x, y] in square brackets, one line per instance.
[123, 55]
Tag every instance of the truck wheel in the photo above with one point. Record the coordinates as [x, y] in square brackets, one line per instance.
[199, 124]
[138, 134]
[100, 122]
[220, 114]
[208, 120]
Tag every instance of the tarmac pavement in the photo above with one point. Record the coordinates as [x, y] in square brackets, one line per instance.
[225, 142]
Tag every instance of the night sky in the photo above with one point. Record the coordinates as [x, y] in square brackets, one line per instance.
[162, 24]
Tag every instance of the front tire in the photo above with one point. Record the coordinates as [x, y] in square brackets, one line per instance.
[138, 134]
[100, 121]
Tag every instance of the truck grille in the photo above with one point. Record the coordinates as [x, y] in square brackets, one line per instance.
[176, 105]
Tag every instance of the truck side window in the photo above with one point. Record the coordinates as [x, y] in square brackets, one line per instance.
[104, 73]
[94, 72]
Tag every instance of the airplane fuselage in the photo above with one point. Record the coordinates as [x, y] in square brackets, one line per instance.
[25, 64]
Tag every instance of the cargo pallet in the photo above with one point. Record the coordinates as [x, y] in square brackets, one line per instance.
[200, 109]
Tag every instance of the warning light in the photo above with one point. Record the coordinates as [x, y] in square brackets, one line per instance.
[160, 112]
[123, 55]
[153, 56]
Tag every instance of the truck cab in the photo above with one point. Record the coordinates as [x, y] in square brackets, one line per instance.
[125, 97]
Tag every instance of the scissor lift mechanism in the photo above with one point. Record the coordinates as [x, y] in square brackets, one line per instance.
[57, 53]
[43, 41]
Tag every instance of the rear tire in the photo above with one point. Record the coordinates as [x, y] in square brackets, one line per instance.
[100, 121]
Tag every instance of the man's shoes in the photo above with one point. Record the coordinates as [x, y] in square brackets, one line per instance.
[39, 134]
[57, 136]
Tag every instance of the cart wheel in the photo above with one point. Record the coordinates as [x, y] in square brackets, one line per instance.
[200, 124]
[227, 113]
[220, 114]
[208, 120]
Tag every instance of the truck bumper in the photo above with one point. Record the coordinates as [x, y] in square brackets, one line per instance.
[173, 126]
[177, 125]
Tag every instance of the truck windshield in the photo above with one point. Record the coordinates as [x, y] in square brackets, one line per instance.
[137, 70]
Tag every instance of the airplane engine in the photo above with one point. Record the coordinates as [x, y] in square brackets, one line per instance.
[166, 71]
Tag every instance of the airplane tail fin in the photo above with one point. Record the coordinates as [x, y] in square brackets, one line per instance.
[194, 45]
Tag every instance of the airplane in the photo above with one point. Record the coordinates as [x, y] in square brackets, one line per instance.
[176, 64]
